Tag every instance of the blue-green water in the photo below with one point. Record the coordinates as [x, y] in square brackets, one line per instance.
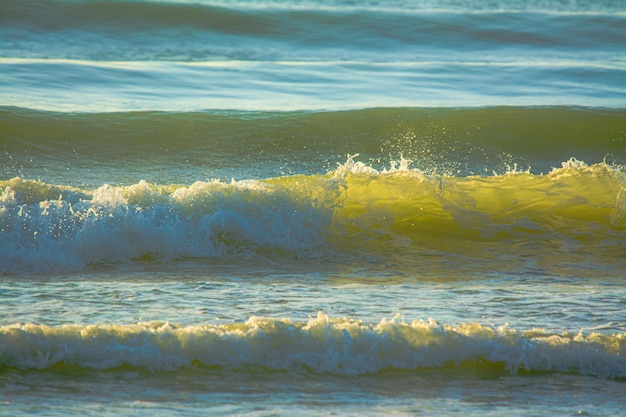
[312, 208]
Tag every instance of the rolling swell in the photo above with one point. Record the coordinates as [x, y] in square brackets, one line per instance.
[321, 345]
[232, 144]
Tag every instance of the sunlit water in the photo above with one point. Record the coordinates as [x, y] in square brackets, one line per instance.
[312, 208]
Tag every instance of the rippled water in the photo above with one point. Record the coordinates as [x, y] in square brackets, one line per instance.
[308, 208]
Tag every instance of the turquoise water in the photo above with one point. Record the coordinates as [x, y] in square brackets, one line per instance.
[100, 56]
[312, 208]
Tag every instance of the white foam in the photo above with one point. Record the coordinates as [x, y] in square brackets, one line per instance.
[321, 344]
[118, 224]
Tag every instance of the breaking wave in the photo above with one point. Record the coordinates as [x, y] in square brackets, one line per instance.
[352, 210]
[321, 345]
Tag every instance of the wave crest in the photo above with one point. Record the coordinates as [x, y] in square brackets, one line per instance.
[321, 344]
[354, 209]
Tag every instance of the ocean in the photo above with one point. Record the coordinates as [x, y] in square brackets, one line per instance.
[308, 208]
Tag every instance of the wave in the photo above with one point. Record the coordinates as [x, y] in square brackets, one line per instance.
[231, 15]
[236, 144]
[352, 210]
[320, 345]
[196, 31]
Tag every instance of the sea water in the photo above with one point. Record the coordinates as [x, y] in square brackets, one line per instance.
[312, 207]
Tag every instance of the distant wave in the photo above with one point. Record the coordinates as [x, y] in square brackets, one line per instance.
[321, 345]
[103, 56]
[223, 144]
[175, 30]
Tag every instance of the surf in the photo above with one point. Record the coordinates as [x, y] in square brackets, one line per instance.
[322, 344]
[576, 210]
